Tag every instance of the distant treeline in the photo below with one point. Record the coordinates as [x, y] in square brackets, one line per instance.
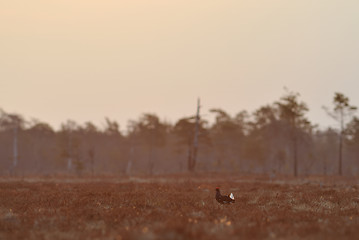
[275, 139]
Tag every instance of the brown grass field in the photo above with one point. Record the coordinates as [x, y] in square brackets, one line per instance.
[178, 207]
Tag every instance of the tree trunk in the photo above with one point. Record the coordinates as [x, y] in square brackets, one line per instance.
[129, 163]
[340, 154]
[193, 146]
[15, 151]
[295, 150]
[195, 140]
[295, 157]
[91, 153]
[190, 158]
[150, 160]
[341, 143]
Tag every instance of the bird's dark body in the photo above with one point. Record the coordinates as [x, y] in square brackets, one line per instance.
[222, 199]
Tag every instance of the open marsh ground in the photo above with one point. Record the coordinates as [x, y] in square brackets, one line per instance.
[178, 207]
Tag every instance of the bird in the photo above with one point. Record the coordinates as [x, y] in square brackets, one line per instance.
[222, 199]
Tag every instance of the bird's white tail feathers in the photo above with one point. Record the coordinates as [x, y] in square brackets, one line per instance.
[231, 196]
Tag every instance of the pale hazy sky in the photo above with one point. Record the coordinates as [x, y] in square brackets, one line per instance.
[87, 59]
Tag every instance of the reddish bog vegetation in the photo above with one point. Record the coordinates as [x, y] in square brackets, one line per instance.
[177, 208]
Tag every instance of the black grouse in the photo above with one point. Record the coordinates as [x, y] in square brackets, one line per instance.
[224, 199]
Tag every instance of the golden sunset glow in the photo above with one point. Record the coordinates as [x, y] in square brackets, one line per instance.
[85, 60]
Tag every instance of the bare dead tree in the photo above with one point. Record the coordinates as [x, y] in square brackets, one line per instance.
[193, 157]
